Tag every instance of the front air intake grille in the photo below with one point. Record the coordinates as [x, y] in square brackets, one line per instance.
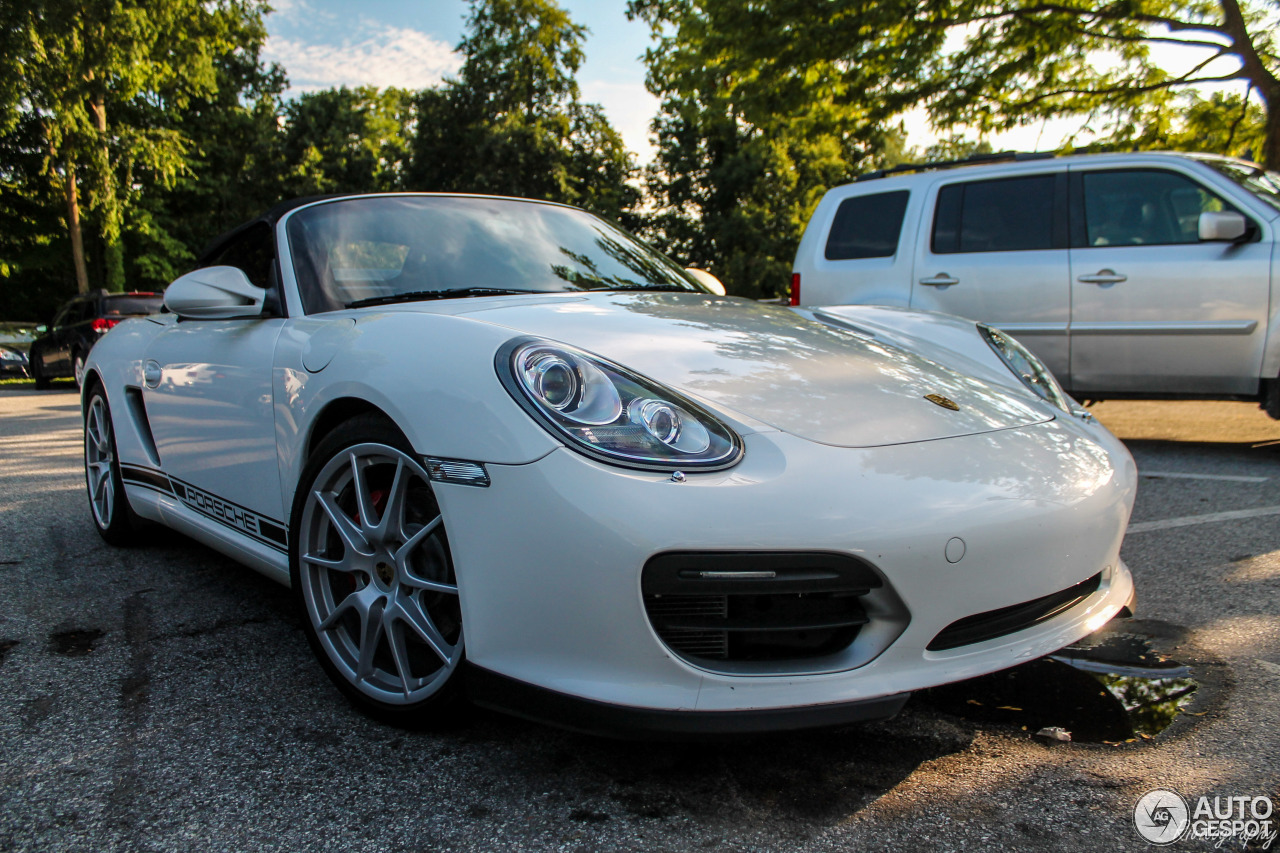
[1009, 620]
[756, 606]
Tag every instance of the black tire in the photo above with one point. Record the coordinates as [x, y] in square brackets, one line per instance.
[392, 581]
[108, 504]
[77, 369]
[37, 373]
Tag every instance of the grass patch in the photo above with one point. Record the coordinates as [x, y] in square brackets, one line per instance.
[16, 382]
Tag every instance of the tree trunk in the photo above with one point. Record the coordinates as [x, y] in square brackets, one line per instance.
[108, 204]
[1270, 156]
[73, 229]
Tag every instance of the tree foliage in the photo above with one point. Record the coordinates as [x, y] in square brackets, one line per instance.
[101, 78]
[347, 140]
[1031, 60]
[748, 145]
[513, 121]
[990, 66]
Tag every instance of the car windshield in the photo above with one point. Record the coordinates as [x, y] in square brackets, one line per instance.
[405, 248]
[131, 304]
[1265, 185]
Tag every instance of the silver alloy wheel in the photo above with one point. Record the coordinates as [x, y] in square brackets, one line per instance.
[376, 578]
[79, 371]
[98, 460]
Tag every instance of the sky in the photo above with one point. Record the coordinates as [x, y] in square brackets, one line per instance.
[409, 43]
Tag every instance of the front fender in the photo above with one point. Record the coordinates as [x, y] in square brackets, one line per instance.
[432, 374]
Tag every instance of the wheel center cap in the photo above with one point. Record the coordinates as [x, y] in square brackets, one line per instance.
[385, 573]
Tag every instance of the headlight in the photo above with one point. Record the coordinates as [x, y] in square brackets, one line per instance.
[611, 413]
[1030, 369]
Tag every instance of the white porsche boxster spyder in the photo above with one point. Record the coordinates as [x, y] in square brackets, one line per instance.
[504, 452]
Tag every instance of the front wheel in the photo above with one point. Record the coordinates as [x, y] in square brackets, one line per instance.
[37, 372]
[373, 577]
[107, 502]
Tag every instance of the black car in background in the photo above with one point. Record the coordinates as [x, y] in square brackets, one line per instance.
[63, 347]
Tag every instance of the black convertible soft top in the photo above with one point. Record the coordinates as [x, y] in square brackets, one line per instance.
[270, 217]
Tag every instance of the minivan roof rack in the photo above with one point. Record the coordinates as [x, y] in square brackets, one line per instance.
[971, 160]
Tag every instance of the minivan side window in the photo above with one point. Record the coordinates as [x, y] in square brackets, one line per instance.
[1144, 207]
[1003, 215]
[867, 226]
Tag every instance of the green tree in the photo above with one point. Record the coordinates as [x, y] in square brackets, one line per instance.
[993, 66]
[746, 145]
[513, 121]
[83, 70]
[347, 140]
[233, 168]
[1026, 61]
[34, 273]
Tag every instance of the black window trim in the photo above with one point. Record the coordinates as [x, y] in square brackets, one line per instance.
[1059, 228]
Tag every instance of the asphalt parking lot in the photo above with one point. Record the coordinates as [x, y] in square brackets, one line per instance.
[164, 698]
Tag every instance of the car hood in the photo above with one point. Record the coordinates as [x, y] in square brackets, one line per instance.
[819, 382]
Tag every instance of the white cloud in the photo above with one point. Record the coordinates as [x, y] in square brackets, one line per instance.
[629, 108]
[385, 56]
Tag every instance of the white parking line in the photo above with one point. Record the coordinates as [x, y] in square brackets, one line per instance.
[1209, 518]
[1173, 475]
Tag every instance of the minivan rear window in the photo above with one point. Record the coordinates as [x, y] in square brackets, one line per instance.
[867, 226]
[1004, 215]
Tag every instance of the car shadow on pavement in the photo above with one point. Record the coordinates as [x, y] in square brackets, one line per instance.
[803, 778]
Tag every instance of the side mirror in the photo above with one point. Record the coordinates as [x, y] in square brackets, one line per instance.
[214, 293]
[707, 280]
[1218, 226]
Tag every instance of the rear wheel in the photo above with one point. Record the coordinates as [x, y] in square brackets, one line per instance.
[373, 577]
[107, 502]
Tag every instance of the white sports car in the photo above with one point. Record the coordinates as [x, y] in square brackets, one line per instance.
[502, 451]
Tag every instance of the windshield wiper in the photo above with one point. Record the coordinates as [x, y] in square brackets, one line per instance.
[652, 288]
[422, 295]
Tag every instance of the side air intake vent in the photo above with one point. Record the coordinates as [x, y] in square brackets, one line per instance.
[138, 412]
[1009, 620]
[756, 606]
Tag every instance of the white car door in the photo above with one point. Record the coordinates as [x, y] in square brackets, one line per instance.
[996, 251]
[209, 402]
[1154, 310]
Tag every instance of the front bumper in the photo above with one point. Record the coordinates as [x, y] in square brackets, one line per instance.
[550, 558]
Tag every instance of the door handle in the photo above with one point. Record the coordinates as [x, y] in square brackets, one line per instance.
[940, 280]
[1103, 277]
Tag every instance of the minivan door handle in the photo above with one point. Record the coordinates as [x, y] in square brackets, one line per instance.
[1103, 277]
[940, 280]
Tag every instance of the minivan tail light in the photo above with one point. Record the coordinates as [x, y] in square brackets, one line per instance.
[795, 288]
[102, 324]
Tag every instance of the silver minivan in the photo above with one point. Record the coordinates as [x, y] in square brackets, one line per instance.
[1131, 275]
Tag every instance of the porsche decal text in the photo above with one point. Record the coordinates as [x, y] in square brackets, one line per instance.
[265, 530]
[211, 506]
